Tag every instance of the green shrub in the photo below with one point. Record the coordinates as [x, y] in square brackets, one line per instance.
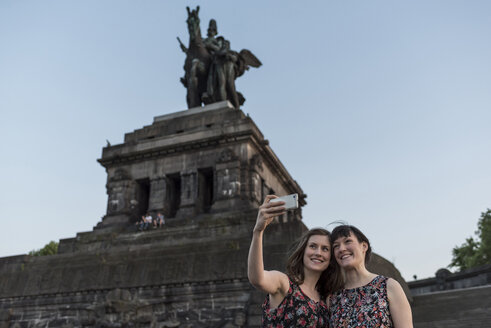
[49, 249]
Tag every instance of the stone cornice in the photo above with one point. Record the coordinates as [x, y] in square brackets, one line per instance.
[182, 147]
[247, 131]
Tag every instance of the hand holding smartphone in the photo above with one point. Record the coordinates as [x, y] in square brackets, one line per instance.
[291, 201]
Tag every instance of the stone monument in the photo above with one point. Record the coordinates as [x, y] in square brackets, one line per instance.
[207, 169]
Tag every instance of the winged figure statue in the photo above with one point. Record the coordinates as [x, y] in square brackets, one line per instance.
[211, 66]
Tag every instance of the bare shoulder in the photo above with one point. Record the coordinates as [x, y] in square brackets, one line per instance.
[391, 282]
[393, 286]
[282, 279]
[395, 293]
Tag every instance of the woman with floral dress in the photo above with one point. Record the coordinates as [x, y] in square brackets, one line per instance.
[297, 298]
[367, 300]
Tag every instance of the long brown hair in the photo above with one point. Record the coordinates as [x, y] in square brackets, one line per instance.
[330, 279]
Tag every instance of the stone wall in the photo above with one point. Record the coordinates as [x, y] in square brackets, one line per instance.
[205, 304]
[145, 279]
[458, 308]
[456, 300]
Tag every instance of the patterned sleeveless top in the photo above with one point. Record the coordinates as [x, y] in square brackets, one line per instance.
[296, 310]
[366, 306]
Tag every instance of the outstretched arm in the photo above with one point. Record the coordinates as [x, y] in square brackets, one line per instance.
[400, 310]
[271, 282]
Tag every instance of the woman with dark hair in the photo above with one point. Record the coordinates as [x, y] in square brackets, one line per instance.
[367, 300]
[297, 298]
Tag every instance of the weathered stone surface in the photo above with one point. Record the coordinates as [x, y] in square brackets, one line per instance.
[177, 152]
[199, 283]
[458, 308]
[457, 300]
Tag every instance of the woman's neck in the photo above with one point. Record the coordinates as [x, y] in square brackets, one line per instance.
[311, 278]
[309, 283]
[357, 277]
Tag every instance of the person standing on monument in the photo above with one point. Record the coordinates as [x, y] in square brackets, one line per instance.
[368, 299]
[297, 298]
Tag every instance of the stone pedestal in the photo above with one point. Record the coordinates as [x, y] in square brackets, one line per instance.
[205, 160]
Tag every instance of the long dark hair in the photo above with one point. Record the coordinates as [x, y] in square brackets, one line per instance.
[330, 279]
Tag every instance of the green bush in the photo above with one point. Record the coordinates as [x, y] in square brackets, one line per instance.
[49, 249]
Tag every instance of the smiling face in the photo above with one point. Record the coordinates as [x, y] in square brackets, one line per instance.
[317, 253]
[349, 251]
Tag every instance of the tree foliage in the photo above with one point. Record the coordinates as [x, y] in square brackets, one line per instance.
[49, 249]
[475, 252]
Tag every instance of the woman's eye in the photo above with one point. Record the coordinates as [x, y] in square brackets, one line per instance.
[335, 246]
[325, 249]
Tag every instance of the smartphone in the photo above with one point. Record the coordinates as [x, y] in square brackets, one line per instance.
[291, 201]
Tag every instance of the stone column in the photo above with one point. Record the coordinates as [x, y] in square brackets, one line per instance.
[189, 194]
[120, 200]
[256, 182]
[121, 203]
[158, 189]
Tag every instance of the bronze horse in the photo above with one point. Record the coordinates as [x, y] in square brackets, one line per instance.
[197, 61]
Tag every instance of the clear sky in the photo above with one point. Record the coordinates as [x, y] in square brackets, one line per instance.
[380, 110]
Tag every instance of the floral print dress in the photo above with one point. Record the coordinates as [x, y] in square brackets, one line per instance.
[296, 310]
[366, 306]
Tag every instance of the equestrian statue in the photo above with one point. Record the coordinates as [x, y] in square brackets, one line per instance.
[211, 67]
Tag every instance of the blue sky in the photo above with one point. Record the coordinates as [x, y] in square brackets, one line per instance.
[379, 109]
